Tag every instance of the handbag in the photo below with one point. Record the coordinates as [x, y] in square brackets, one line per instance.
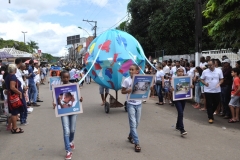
[14, 99]
[159, 82]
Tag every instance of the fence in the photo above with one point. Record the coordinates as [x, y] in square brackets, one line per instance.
[212, 53]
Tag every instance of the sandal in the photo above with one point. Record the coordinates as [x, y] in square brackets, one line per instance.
[14, 131]
[137, 148]
[231, 121]
[130, 140]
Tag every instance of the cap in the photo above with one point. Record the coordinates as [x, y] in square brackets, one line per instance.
[226, 61]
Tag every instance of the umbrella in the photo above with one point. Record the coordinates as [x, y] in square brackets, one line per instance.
[5, 55]
[27, 61]
[110, 55]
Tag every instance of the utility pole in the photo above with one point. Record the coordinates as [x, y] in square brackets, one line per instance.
[24, 36]
[198, 30]
[94, 27]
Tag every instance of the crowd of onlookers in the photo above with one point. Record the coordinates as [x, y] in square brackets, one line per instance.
[167, 69]
[21, 79]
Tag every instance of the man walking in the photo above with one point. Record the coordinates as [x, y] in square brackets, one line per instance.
[103, 96]
[212, 78]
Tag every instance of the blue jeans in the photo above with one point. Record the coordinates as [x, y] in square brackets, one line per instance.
[134, 115]
[197, 93]
[32, 92]
[69, 125]
[225, 98]
[180, 105]
[159, 92]
[24, 114]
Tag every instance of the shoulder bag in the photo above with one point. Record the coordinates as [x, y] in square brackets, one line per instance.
[14, 99]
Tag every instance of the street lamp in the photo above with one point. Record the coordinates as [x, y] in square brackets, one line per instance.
[24, 36]
[84, 30]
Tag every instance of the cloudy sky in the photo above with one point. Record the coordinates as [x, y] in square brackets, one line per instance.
[49, 22]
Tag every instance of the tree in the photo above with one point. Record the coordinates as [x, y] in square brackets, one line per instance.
[11, 43]
[172, 27]
[47, 56]
[122, 26]
[32, 46]
[224, 22]
[140, 12]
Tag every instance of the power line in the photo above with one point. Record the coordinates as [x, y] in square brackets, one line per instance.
[115, 23]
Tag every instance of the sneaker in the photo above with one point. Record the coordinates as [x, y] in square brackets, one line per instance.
[144, 101]
[72, 146]
[177, 129]
[68, 155]
[183, 132]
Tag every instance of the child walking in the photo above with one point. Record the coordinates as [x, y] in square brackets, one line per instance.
[134, 108]
[235, 96]
[167, 89]
[180, 105]
[68, 122]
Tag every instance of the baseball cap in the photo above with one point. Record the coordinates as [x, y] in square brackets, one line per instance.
[226, 61]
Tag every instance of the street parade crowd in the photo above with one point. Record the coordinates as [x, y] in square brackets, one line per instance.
[212, 80]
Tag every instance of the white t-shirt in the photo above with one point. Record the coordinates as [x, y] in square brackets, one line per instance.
[212, 78]
[166, 69]
[202, 65]
[25, 72]
[159, 75]
[19, 77]
[37, 77]
[173, 71]
[191, 72]
[127, 83]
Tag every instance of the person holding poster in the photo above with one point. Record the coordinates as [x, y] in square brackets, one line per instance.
[180, 105]
[69, 121]
[134, 108]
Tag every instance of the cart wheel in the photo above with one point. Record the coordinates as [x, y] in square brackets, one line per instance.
[125, 104]
[107, 107]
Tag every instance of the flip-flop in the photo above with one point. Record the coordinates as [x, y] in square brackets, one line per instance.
[231, 121]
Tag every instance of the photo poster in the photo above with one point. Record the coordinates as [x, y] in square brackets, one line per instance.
[141, 87]
[66, 97]
[54, 81]
[182, 88]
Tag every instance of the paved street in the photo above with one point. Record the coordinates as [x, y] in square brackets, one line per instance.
[101, 136]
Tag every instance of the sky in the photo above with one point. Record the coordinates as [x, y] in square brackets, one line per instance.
[50, 22]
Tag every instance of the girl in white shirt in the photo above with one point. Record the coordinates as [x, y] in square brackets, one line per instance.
[134, 108]
[159, 84]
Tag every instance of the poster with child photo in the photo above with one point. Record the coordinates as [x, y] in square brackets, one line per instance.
[66, 97]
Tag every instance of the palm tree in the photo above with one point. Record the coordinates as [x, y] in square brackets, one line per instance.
[32, 46]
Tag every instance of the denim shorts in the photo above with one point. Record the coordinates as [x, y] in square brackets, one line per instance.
[101, 90]
[166, 90]
[234, 101]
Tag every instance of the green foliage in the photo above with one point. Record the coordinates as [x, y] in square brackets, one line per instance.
[173, 27]
[122, 26]
[165, 25]
[224, 17]
[19, 45]
[33, 46]
[47, 57]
